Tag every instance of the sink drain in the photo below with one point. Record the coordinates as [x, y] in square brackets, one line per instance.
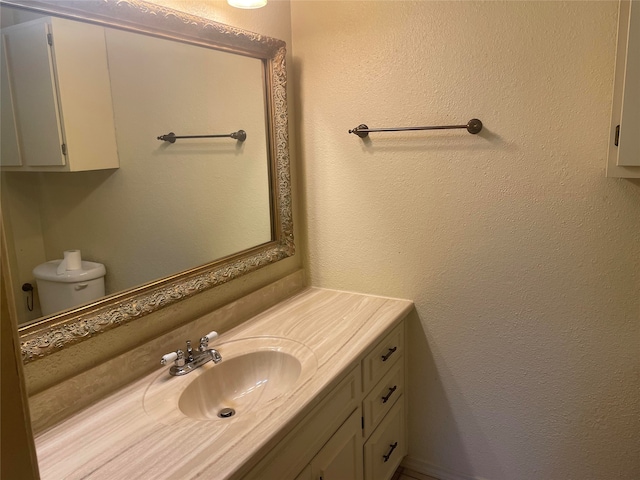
[226, 413]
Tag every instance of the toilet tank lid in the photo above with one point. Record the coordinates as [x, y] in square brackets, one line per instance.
[49, 271]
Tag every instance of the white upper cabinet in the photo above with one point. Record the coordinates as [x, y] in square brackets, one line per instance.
[57, 112]
[624, 149]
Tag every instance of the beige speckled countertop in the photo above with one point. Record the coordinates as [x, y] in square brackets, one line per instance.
[116, 438]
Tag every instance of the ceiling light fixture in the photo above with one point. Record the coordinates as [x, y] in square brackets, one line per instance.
[247, 3]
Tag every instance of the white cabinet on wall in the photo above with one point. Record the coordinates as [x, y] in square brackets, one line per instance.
[624, 148]
[57, 111]
[357, 431]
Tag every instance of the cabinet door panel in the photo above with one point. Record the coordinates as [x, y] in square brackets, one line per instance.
[341, 457]
[84, 92]
[624, 147]
[629, 154]
[387, 445]
[298, 447]
[33, 85]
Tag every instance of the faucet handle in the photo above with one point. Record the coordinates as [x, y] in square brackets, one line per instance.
[204, 341]
[169, 357]
[176, 356]
[211, 335]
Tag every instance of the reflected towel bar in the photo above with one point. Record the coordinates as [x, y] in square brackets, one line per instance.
[171, 137]
[473, 126]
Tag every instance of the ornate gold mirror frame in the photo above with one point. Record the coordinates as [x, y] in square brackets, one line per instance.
[55, 332]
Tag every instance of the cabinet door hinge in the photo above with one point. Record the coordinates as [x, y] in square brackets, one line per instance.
[64, 148]
[617, 137]
[50, 38]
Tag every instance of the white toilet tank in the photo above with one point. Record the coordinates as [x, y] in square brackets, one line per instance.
[69, 289]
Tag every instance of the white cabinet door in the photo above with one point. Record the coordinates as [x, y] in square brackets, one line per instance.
[629, 141]
[84, 91]
[56, 97]
[384, 450]
[300, 446]
[341, 457]
[624, 150]
[33, 88]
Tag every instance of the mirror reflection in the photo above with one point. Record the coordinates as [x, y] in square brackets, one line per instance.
[141, 207]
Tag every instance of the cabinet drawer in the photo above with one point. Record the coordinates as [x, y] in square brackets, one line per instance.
[298, 448]
[383, 396]
[384, 355]
[386, 447]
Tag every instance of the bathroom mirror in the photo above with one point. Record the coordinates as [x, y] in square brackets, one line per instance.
[215, 209]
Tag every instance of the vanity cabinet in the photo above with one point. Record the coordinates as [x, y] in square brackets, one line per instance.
[342, 415]
[357, 431]
[57, 110]
[624, 148]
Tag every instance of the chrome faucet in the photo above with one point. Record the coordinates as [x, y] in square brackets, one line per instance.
[183, 364]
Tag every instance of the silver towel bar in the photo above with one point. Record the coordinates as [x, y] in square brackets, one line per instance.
[171, 137]
[473, 126]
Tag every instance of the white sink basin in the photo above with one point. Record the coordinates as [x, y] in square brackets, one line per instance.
[255, 373]
[240, 383]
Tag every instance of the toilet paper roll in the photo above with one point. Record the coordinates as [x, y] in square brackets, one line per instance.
[72, 261]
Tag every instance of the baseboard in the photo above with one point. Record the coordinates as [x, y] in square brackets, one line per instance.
[427, 468]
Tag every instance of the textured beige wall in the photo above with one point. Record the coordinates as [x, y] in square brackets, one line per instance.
[274, 20]
[522, 258]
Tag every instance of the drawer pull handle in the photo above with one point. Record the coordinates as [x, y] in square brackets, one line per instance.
[385, 399]
[389, 353]
[388, 455]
